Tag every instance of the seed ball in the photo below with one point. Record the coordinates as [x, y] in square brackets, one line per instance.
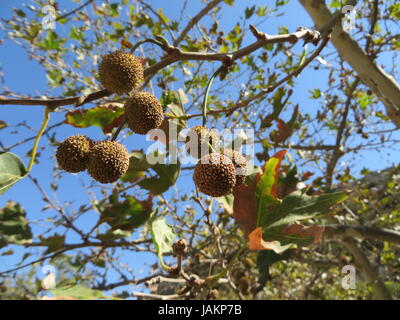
[108, 161]
[215, 175]
[143, 112]
[239, 161]
[73, 153]
[244, 285]
[121, 72]
[201, 141]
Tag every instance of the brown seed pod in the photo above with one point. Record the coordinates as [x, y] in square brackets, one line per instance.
[121, 72]
[215, 175]
[244, 285]
[108, 161]
[201, 141]
[143, 112]
[73, 153]
[214, 294]
[239, 161]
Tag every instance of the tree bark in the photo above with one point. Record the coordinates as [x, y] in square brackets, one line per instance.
[370, 73]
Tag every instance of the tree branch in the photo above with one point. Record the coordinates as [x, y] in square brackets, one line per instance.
[269, 89]
[75, 10]
[173, 55]
[380, 290]
[196, 19]
[370, 73]
[362, 232]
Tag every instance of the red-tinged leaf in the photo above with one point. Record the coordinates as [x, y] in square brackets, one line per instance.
[266, 191]
[252, 200]
[127, 44]
[284, 132]
[287, 183]
[292, 122]
[100, 116]
[313, 231]
[279, 156]
[306, 175]
[116, 123]
[256, 242]
[244, 205]
[281, 239]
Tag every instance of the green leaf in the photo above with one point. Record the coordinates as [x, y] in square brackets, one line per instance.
[12, 170]
[162, 234]
[78, 292]
[298, 206]
[162, 16]
[138, 165]
[248, 12]
[364, 101]
[226, 203]
[51, 42]
[14, 227]
[267, 258]
[102, 116]
[112, 234]
[175, 100]
[76, 34]
[284, 241]
[167, 176]
[261, 11]
[265, 192]
[20, 12]
[126, 215]
[53, 243]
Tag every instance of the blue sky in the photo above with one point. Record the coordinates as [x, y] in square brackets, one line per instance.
[26, 76]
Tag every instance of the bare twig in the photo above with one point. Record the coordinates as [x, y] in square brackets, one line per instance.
[363, 232]
[381, 292]
[212, 4]
[173, 55]
[75, 10]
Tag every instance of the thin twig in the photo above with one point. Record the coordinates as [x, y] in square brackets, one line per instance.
[173, 55]
[75, 10]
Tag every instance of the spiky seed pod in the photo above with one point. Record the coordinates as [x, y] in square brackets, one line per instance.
[239, 161]
[198, 141]
[73, 153]
[121, 72]
[214, 294]
[108, 161]
[215, 175]
[143, 112]
[244, 285]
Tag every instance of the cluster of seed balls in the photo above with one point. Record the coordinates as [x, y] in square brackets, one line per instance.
[122, 72]
[215, 173]
[106, 161]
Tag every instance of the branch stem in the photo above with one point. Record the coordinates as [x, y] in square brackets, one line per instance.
[210, 82]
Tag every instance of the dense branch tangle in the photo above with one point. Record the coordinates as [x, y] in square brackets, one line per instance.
[174, 54]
